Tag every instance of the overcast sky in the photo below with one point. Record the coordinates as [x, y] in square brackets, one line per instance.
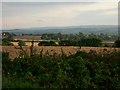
[37, 14]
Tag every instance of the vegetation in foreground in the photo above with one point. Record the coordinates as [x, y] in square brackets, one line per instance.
[82, 70]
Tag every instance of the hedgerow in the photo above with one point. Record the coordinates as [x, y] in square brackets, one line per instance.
[82, 70]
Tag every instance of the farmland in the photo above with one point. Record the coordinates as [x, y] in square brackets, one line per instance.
[61, 66]
[60, 45]
[14, 50]
[81, 63]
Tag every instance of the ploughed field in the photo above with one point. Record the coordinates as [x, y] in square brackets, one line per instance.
[50, 50]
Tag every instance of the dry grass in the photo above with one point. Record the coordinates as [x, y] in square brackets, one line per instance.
[14, 50]
[27, 43]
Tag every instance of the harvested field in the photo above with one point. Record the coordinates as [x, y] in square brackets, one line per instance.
[14, 50]
[27, 43]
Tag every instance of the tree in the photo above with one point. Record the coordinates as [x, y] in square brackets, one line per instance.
[21, 43]
[8, 36]
[6, 43]
[47, 43]
[90, 42]
[44, 43]
[68, 43]
[117, 43]
[52, 43]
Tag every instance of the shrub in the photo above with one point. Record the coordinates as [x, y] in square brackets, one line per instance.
[52, 43]
[82, 70]
[6, 43]
[117, 43]
[21, 43]
[47, 43]
[90, 42]
[44, 43]
[68, 43]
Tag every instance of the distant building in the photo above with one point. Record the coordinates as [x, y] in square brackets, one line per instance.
[27, 38]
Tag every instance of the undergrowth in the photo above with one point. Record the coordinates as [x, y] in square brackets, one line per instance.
[82, 70]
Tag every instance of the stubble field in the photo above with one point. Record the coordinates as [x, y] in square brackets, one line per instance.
[68, 50]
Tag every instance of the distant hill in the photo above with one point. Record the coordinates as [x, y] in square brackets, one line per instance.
[86, 29]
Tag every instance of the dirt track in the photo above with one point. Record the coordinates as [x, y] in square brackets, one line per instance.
[14, 51]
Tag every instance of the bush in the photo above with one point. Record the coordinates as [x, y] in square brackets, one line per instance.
[117, 43]
[52, 43]
[6, 43]
[82, 70]
[21, 43]
[83, 42]
[47, 43]
[69, 43]
[90, 42]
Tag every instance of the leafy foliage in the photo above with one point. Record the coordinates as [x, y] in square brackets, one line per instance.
[69, 43]
[90, 42]
[83, 42]
[82, 70]
[117, 43]
[77, 36]
[21, 43]
[6, 43]
[47, 43]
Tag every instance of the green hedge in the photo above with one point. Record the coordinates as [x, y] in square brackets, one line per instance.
[6, 43]
[95, 42]
[82, 70]
[90, 42]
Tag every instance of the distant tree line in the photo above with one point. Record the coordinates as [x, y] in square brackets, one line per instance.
[83, 42]
[79, 39]
[78, 36]
[47, 43]
[60, 36]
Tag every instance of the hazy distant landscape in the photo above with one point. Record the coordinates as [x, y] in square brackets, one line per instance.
[86, 29]
[60, 45]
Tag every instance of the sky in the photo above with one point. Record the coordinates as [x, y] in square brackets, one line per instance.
[16, 15]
